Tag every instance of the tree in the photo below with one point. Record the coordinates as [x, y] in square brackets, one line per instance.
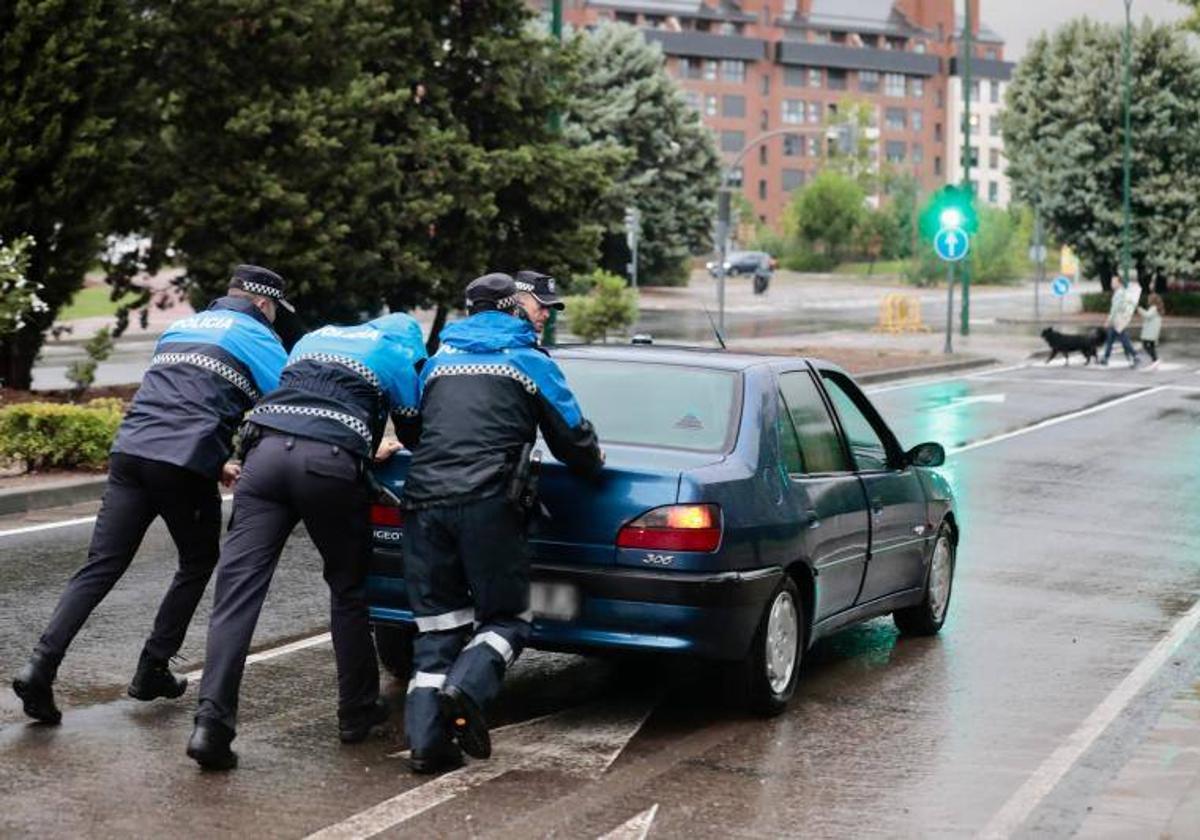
[860, 160]
[65, 75]
[826, 214]
[608, 306]
[1063, 131]
[623, 96]
[903, 203]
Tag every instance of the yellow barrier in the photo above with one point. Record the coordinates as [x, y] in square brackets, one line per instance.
[899, 313]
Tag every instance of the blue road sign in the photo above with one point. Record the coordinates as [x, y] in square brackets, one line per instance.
[951, 244]
[1060, 286]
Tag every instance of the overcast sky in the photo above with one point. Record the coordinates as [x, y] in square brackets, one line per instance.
[1019, 20]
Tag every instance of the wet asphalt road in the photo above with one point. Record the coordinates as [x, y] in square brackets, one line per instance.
[1079, 552]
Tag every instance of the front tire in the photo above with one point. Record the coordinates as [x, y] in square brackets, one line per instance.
[394, 643]
[927, 617]
[767, 678]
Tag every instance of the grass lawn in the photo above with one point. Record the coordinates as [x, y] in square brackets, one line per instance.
[863, 268]
[90, 302]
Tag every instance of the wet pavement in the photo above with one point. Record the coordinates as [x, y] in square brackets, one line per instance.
[1080, 507]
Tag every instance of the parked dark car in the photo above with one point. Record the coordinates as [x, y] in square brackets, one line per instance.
[749, 506]
[756, 263]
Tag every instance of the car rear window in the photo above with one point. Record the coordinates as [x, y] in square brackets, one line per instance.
[655, 405]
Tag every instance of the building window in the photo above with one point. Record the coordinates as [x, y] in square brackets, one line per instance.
[939, 98]
[836, 79]
[975, 123]
[762, 189]
[919, 48]
[795, 76]
[814, 112]
[918, 120]
[733, 70]
[994, 159]
[762, 155]
[814, 77]
[735, 177]
[896, 119]
[766, 84]
[693, 99]
[764, 120]
[732, 141]
[868, 81]
[894, 151]
[710, 70]
[993, 192]
[937, 132]
[975, 91]
[893, 84]
[918, 153]
[814, 147]
[710, 105]
[937, 165]
[918, 88]
[994, 92]
[694, 68]
[792, 179]
[793, 111]
[992, 53]
[994, 126]
[793, 145]
[733, 106]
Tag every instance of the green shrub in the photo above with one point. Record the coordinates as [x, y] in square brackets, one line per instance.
[609, 306]
[801, 259]
[42, 435]
[1179, 304]
[83, 373]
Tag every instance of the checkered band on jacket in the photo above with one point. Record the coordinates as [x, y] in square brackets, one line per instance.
[485, 370]
[353, 423]
[218, 367]
[345, 361]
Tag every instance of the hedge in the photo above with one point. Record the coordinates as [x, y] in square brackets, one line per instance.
[64, 436]
[1181, 304]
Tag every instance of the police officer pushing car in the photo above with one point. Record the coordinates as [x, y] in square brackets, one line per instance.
[485, 393]
[309, 443]
[208, 369]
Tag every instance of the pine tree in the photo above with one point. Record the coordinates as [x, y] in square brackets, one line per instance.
[623, 96]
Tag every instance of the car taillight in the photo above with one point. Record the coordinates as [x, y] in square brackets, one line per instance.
[674, 528]
[389, 516]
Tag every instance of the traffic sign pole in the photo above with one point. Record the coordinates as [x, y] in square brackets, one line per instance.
[949, 348]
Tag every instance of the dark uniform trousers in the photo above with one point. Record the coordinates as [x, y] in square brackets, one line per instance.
[467, 573]
[139, 490]
[285, 480]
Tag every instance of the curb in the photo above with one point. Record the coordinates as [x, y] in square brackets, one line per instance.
[22, 500]
[891, 374]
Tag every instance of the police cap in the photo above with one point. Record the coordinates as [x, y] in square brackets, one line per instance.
[260, 281]
[492, 291]
[541, 286]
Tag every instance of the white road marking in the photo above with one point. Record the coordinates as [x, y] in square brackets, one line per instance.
[273, 653]
[956, 402]
[1099, 383]
[581, 742]
[1054, 421]
[636, 828]
[65, 523]
[916, 383]
[1038, 786]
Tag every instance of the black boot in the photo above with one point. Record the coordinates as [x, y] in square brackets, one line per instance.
[357, 727]
[34, 684]
[209, 745]
[448, 757]
[154, 679]
[464, 722]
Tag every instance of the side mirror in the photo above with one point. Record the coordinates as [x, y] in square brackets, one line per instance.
[926, 455]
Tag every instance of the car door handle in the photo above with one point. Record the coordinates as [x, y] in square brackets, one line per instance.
[813, 518]
[876, 507]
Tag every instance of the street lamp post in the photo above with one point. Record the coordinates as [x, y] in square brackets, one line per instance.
[1128, 153]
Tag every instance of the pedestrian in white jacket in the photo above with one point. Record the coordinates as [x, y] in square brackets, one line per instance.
[1152, 317]
[1124, 305]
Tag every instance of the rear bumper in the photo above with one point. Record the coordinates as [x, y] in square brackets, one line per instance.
[713, 615]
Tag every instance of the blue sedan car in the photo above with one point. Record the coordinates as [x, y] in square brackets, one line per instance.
[749, 506]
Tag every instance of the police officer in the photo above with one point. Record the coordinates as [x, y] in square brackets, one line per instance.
[484, 395]
[537, 296]
[309, 444]
[171, 448]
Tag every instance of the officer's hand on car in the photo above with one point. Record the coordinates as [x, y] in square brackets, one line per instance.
[387, 449]
[230, 473]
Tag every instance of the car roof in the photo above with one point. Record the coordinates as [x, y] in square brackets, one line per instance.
[666, 354]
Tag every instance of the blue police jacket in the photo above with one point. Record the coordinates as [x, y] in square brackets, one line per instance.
[341, 383]
[485, 394]
[208, 369]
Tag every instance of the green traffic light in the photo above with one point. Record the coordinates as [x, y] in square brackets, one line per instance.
[950, 207]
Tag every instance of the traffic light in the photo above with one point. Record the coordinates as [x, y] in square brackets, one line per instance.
[950, 207]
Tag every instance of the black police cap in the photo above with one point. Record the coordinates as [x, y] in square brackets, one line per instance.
[541, 286]
[492, 291]
[260, 281]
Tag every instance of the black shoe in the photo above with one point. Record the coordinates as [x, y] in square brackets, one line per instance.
[358, 727]
[34, 684]
[464, 722]
[154, 679]
[436, 761]
[209, 745]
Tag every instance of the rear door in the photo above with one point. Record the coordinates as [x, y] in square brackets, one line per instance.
[897, 500]
[824, 492]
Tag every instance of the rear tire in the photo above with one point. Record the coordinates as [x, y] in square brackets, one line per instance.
[927, 617]
[766, 679]
[394, 643]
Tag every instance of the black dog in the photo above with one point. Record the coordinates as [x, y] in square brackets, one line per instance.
[1068, 344]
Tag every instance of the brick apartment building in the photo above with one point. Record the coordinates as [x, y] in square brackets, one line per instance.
[753, 66]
